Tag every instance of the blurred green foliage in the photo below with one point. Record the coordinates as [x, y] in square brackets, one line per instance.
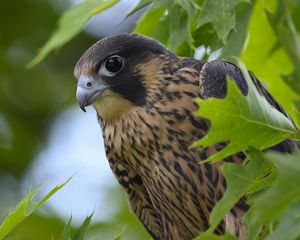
[26, 207]
[79, 234]
[29, 101]
[263, 33]
[70, 24]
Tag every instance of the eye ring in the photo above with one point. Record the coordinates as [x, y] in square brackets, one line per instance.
[113, 65]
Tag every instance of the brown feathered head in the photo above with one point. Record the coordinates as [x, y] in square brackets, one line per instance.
[119, 72]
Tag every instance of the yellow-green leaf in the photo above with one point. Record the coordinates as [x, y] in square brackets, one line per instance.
[25, 208]
[289, 39]
[70, 24]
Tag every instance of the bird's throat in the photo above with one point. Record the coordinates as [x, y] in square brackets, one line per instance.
[110, 106]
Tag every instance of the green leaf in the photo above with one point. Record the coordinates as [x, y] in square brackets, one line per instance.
[70, 24]
[243, 121]
[289, 39]
[237, 38]
[221, 14]
[272, 203]
[211, 236]
[178, 28]
[183, 15]
[120, 234]
[140, 5]
[25, 208]
[241, 180]
[260, 57]
[150, 20]
[297, 110]
[81, 231]
[289, 225]
[67, 231]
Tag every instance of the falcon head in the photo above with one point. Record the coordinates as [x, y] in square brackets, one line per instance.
[118, 73]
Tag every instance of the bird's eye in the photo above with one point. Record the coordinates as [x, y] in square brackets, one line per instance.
[114, 64]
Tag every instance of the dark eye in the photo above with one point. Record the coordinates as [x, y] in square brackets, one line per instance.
[114, 64]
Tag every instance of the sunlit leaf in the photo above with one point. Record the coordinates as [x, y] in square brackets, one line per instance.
[221, 14]
[25, 208]
[70, 24]
[267, 64]
[243, 121]
[289, 39]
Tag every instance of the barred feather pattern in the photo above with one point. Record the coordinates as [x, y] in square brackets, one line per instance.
[148, 149]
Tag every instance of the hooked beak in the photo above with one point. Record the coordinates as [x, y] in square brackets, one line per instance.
[88, 89]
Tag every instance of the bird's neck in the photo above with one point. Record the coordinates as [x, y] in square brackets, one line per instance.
[111, 107]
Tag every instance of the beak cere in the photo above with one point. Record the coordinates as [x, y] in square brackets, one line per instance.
[88, 89]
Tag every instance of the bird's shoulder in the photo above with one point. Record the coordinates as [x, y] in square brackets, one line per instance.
[213, 77]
